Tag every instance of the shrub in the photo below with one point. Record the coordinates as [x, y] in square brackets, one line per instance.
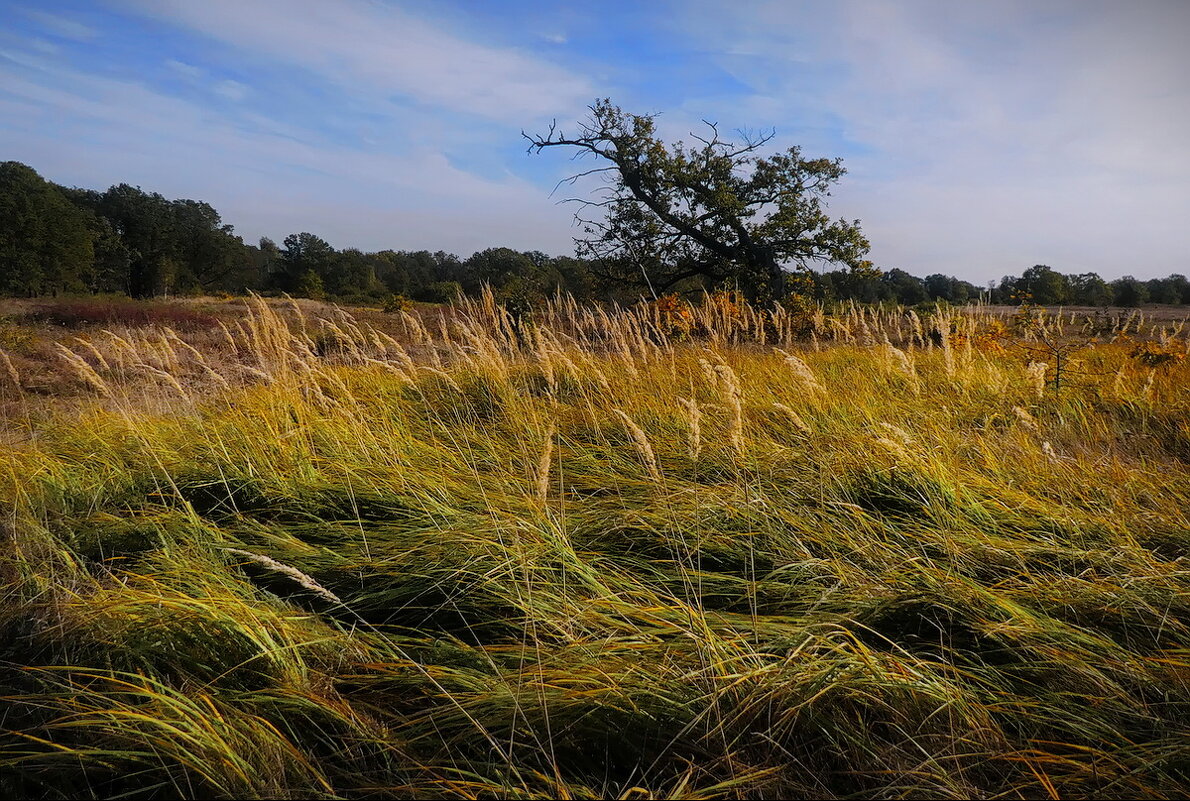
[674, 316]
[801, 310]
[394, 304]
[441, 292]
[309, 285]
[1155, 354]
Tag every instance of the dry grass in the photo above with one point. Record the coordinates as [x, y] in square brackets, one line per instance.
[317, 556]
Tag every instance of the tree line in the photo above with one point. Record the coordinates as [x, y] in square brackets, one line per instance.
[1039, 284]
[58, 240]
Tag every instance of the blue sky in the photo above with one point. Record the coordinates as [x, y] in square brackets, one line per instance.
[980, 138]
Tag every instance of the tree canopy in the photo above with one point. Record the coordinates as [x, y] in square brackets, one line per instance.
[45, 240]
[56, 239]
[715, 210]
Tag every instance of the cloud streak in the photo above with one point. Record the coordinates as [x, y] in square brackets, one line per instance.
[63, 26]
[386, 51]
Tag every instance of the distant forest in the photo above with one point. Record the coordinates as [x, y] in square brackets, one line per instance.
[57, 240]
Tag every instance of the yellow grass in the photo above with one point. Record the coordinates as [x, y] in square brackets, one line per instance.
[599, 556]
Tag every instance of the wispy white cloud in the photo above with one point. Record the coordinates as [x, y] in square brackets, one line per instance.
[384, 50]
[232, 90]
[227, 88]
[24, 58]
[42, 46]
[60, 25]
[186, 70]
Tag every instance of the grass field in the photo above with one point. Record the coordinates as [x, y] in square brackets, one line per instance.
[659, 553]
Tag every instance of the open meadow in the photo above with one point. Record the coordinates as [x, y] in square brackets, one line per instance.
[270, 550]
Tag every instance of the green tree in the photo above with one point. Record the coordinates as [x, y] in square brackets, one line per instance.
[109, 270]
[577, 278]
[1181, 285]
[424, 269]
[145, 224]
[1046, 286]
[905, 288]
[860, 285]
[304, 253]
[46, 242]
[392, 272]
[353, 273]
[498, 266]
[1169, 291]
[309, 285]
[267, 259]
[1006, 291]
[949, 288]
[441, 292]
[714, 211]
[1128, 291]
[208, 253]
[1088, 289]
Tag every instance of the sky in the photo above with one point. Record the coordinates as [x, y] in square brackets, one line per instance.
[979, 138]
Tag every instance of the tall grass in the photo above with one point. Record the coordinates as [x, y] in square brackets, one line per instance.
[606, 554]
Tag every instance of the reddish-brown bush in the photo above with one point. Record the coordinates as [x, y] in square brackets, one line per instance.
[117, 311]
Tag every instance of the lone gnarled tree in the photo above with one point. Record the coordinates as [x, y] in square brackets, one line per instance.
[715, 210]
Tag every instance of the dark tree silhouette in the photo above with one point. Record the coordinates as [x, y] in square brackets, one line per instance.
[715, 210]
